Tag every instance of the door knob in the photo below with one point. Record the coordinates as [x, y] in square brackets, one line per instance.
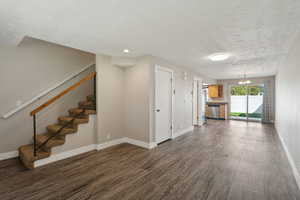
[157, 110]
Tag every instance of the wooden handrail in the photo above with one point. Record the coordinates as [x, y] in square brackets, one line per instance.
[88, 77]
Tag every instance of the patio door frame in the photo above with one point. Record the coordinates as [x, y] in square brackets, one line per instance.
[247, 102]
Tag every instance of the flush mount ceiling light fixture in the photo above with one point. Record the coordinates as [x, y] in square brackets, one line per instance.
[126, 51]
[218, 56]
[244, 81]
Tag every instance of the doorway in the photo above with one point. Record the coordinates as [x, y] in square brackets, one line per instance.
[246, 102]
[198, 102]
[163, 104]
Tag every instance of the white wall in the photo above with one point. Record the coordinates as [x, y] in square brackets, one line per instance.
[288, 102]
[26, 71]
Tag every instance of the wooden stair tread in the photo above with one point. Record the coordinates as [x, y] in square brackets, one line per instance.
[87, 103]
[41, 138]
[56, 127]
[66, 119]
[27, 151]
[77, 111]
[91, 98]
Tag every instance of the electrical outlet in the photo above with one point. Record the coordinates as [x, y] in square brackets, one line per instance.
[108, 136]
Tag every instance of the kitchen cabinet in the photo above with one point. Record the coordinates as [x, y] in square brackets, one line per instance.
[216, 110]
[215, 91]
[223, 111]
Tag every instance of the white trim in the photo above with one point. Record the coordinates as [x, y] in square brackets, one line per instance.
[291, 161]
[152, 145]
[196, 78]
[74, 152]
[158, 67]
[80, 150]
[183, 131]
[84, 149]
[24, 105]
[64, 155]
[8, 155]
[110, 143]
[199, 121]
[140, 143]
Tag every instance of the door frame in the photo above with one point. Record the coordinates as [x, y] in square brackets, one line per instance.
[199, 95]
[157, 68]
[247, 102]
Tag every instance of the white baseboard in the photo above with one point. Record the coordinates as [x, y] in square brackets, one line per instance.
[152, 145]
[291, 160]
[140, 143]
[182, 132]
[64, 155]
[84, 149]
[74, 152]
[110, 143]
[8, 155]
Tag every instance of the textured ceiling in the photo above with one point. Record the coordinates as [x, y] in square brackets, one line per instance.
[257, 33]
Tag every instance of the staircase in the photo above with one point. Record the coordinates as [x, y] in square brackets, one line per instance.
[56, 133]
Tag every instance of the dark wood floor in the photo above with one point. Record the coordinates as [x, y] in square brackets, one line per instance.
[223, 160]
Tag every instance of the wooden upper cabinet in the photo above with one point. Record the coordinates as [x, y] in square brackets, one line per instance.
[215, 91]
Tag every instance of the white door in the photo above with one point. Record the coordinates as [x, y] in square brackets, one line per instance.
[195, 103]
[163, 104]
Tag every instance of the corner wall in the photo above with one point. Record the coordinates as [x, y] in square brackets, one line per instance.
[123, 100]
[126, 99]
[110, 100]
[288, 104]
[137, 100]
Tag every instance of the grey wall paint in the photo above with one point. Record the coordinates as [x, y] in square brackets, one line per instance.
[110, 100]
[86, 135]
[137, 100]
[123, 100]
[29, 69]
[288, 102]
[33, 67]
[126, 98]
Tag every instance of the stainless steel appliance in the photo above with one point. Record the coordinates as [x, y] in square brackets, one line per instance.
[214, 111]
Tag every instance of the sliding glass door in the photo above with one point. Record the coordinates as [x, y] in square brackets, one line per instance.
[238, 102]
[255, 102]
[246, 102]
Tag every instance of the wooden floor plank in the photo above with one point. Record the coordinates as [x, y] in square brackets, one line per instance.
[226, 160]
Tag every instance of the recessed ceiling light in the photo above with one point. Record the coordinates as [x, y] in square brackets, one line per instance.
[126, 51]
[219, 56]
